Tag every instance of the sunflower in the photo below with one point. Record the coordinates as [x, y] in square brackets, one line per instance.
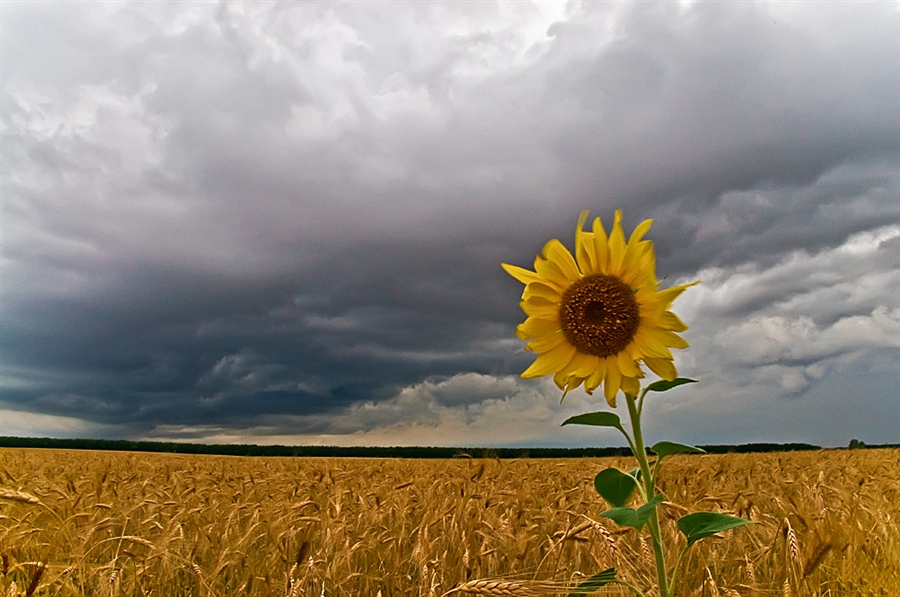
[595, 318]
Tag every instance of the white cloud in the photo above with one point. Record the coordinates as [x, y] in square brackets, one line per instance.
[17, 423]
[827, 284]
[769, 339]
[467, 409]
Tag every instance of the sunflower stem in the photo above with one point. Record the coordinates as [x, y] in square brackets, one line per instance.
[640, 452]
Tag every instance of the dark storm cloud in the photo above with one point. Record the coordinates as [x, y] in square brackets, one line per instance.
[174, 345]
[290, 217]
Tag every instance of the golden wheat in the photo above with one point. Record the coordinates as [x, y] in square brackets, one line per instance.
[211, 525]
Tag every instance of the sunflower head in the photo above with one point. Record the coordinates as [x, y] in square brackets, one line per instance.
[597, 317]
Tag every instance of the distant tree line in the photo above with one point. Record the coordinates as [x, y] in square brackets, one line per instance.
[375, 452]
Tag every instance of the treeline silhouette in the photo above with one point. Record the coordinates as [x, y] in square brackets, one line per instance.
[361, 451]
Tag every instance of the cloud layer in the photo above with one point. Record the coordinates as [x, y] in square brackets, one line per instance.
[284, 222]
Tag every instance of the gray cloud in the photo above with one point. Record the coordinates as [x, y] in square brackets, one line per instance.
[286, 221]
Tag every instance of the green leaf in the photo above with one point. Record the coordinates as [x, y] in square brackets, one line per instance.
[636, 519]
[614, 486]
[598, 419]
[663, 385]
[665, 448]
[595, 582]
[700, 525]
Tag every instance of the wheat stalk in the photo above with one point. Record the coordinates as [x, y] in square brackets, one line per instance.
[573, 532]
[113, 582]
[608, 538]
[293, 588]
[710, 583]
[133, 539]
[36, 578]
[751, 572]
[645, 549]
[816, 557]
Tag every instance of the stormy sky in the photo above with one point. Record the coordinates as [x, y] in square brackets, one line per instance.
[284, 222]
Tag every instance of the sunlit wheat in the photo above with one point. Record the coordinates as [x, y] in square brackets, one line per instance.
[85, 523]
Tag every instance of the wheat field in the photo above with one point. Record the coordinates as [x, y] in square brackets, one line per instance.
[119, 523]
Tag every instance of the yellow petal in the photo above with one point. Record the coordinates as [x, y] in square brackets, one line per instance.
[557, 253]
[650, 318]
[566, 382]
[551, 361]
[551, 274]
[639, 232]
[535, 327]
[571, 384]
[596, 378]
[671, 339]
[613, 381]
[521, 274]
[631, 385]
[582, 364]
[539, 307]
[601, 248]
[634, 351]
[668, 295]
[670, 321]
[546, 343]
[584, 246]
[662, 367]
[647, 264]
[616, 246]
[542, 290]
[627, 365]
[647, 296]
[561, 379]
[639, 265]
[635, 248]
[650, 345]
[582, 218]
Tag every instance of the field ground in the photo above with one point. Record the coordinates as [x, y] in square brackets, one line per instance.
[120, 523]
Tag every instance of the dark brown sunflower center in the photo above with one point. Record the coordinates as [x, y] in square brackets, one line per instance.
[599, 315]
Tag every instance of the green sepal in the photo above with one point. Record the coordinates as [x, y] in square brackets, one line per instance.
[663, 385]
[598, 419]
[700, 525]
[666, 448]
[636, 519]
[614, 486]
[636, 473]
[594, 583]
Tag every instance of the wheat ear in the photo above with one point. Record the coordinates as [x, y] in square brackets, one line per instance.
[493, 587]
[18, 496]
